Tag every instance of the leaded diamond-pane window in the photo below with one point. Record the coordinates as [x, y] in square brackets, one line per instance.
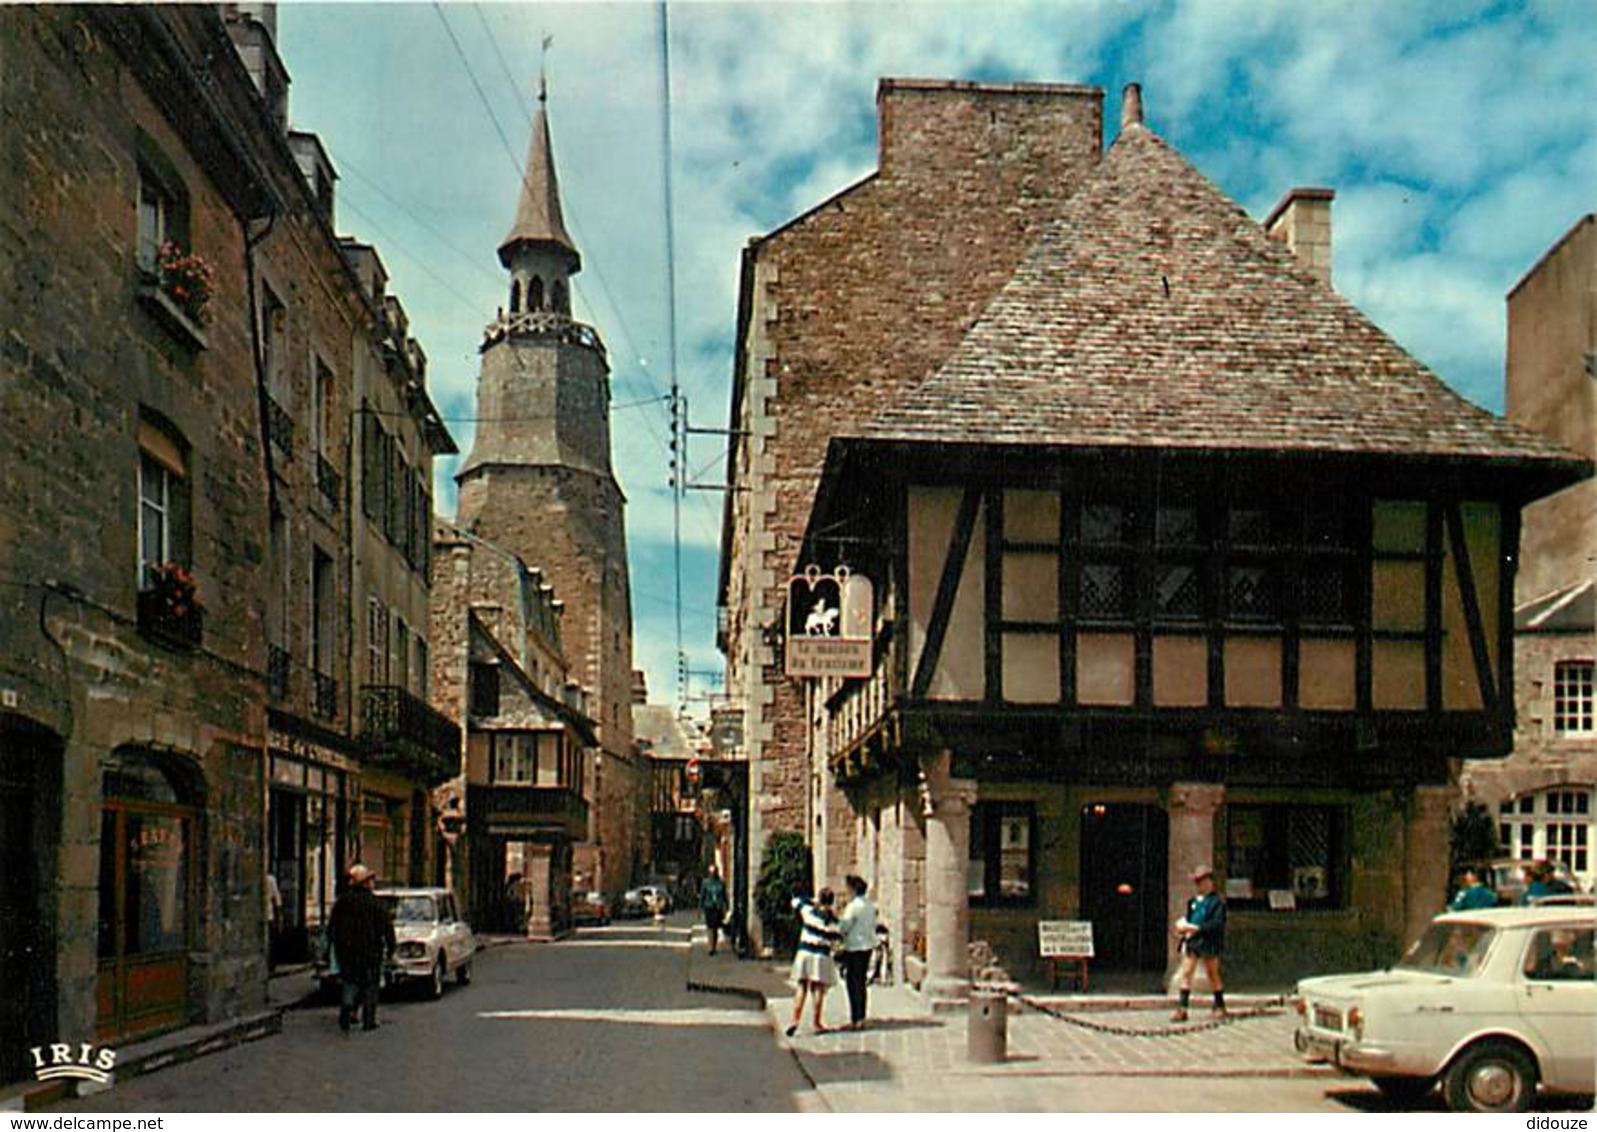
[1178, 592]
[1105, 592]
[1326, 595]
[1252, 594]
[1178, 526]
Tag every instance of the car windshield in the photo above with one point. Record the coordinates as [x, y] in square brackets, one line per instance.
[412, 909]
[1449, 949]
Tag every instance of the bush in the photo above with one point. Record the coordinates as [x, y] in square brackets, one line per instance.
[784, 874]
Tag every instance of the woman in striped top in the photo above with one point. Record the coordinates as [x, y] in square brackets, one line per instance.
[813, 969]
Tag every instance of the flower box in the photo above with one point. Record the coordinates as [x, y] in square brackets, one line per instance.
[170, 610]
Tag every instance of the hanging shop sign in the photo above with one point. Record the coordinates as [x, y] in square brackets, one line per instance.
[829, 623]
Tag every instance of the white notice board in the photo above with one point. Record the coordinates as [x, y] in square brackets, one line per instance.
[1064, 939]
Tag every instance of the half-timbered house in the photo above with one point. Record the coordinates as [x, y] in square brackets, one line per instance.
[1178, 558]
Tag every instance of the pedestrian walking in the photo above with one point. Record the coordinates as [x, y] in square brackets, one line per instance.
[858, 925]
[813, 968]
[1202, 932]
[712, 902]
[1471, 893]
[362, 935]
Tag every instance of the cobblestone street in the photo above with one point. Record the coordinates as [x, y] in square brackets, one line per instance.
[575, 1026]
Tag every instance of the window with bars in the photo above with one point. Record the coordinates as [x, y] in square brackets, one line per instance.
[1289, 848]
[1573, 697]
[1003, 838]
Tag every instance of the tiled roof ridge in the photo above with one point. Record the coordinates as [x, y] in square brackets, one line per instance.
[1079, 347]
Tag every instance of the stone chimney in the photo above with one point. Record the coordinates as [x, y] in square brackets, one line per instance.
[1131, 106]
[966, 137]
[1302, 221]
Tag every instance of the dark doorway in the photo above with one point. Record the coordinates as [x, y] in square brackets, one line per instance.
[286, 845]
[1123, 883]
[29, 808]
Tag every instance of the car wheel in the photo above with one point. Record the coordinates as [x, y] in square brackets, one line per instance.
[1491, 1077]
[463, 976]
[1404, 1088]
[435, 989]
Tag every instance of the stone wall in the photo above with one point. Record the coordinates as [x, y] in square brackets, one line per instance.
[852, 301]
[83, 359]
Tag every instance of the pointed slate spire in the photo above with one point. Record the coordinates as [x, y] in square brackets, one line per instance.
[538, 220]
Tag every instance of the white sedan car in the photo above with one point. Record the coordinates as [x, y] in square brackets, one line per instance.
[432, 941]
[1491, 1003]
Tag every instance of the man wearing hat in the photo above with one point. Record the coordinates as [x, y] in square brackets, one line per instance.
[1202, 932]
[362, 935]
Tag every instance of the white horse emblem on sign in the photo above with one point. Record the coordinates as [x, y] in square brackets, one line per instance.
[822, 621]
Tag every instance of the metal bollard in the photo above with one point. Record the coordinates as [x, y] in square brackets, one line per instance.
[987, 1040]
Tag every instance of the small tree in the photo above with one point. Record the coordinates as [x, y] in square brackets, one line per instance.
[1473, 838]
[784, 874]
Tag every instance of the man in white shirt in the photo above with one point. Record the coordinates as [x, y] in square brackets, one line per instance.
[858, 925]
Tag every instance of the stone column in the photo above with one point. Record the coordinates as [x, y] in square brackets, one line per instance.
[946, 802]
[1426, 833]
[1192, 807]
[538, 882]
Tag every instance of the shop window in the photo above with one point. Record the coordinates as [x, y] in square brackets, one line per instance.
[1553, 824]
[1003, 839]
[1284, 857]
[1573, 697]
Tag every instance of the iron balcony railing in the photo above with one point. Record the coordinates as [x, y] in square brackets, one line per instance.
[181, 628]
[325, 690]
[279, 426]
[404, 733]
[277, 667]
[329, 481]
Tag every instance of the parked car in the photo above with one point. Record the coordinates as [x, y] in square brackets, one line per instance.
[639, 901]
[433, 942]
[1490, 1003]
[1506, 876]
[590, 908]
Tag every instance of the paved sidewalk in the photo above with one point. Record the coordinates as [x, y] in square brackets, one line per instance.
[911, 1059]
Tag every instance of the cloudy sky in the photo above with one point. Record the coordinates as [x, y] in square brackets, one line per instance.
[1461, 140]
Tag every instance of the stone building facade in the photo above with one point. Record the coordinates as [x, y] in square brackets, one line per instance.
[500, 666]
[160, 528]
[1545, 796]
[539, 482]
[846, 303]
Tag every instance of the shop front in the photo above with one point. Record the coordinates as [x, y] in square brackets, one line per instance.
[312, 807]
[151, 831]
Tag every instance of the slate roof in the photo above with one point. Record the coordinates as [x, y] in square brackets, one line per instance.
[538, 216]
[1155, 313]
[1572, 609]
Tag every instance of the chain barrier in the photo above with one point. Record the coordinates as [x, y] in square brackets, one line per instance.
[1270, 1010]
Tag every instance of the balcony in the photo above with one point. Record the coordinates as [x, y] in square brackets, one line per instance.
[515, 810]
[330, 483]
[280, 427]
[404, 734]
[324, 690]
[277, 667]
[180, 627]
[543, 324]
